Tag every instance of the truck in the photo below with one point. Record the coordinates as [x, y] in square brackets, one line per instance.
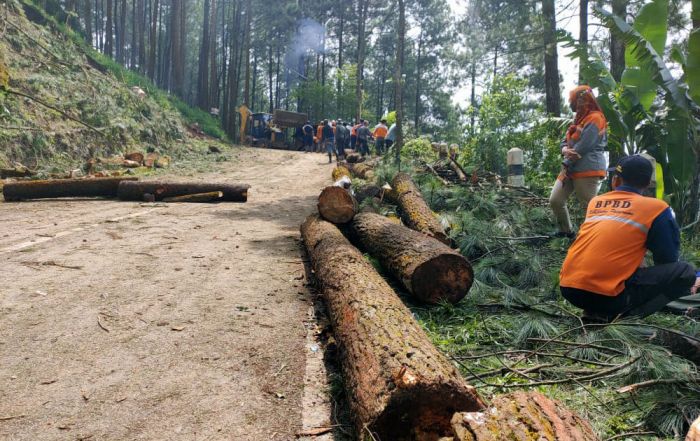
[278, 130]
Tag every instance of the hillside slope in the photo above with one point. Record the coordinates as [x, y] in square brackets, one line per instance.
[63, 103]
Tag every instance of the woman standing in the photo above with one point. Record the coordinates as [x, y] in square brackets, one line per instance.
[585, 163]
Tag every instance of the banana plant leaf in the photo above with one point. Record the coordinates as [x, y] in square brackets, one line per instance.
[691, 67]
[652, 24]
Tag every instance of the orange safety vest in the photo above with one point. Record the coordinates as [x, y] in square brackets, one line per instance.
[611, 243]
[319, 132]
[353, 131]
[380, 132]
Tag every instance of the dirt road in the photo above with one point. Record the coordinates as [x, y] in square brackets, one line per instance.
[125, 321]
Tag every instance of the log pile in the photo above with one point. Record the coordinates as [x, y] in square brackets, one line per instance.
[415, 213]
[64, 188]
[522, 416]
[399, 385]
[427, 268]
[136, 190]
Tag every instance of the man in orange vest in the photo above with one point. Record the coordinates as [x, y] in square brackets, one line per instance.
[379, 134]
[603, 274]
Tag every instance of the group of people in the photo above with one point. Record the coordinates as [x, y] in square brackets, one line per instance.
[604, 272]
[334, 137]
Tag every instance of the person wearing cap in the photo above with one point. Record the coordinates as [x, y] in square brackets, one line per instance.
[329, 140]
[603, 272]
[363, 135]
[308, 131]
[584, 163]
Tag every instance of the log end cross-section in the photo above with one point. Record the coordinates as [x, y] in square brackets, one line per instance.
[336, 204]
[399, 385]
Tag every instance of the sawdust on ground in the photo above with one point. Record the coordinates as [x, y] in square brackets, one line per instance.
[133, 321]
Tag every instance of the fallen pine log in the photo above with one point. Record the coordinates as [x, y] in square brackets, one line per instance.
[339, 172]
[134, 191]
[522, 416]
[429, 269]
[336, 204]
[134, 156]
[212, 196]
[353, 158]
[64, 188]
[399, 385]
[362, 171]
[677, 344]
[414, 211]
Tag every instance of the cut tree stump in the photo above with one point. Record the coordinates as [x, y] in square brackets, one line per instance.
[150, 159]
[134, 191]
[339, 172]
[212, 196]
[64, 188]
[522, 416]
[415, 213]
[399, 385]
[362, 171]
[429, 269]
[336, 204]
[694, 432]
[461, 174]
[353, 157]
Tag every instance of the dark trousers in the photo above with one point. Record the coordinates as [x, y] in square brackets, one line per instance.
[362, 146]
[353, 141]
[388, 143]
[379, 146]
[646, 292]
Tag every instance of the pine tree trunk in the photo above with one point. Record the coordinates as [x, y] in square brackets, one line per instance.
[415, 213]
[551, 62]
[418, 79]
[398, 384]
[109, 39]
[122, 32]
[213, 80]
[63, 188]
[617, 46]
[583, 34]
[153, 40]
[339, 85]
[87, 8]
[141, 37]
[203, 70]
[398, 80]
[177, 59]
[522, 416]
[135, 190]
[361, 11]
[427, 268]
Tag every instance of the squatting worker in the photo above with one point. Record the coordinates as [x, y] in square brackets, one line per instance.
[308, 131]
[602, 272]
[584, 164]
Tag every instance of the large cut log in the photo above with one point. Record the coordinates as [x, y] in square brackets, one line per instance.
[429, 269]
[362, 171]
[134, 191]
[336, 204]
[212, 196]
[414, 211]
[64, 188]
[354, 158]
[522, 416]
[339, 172]
[367, 192]
[399, 385]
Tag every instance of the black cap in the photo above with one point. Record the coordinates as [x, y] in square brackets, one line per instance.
[635, 170]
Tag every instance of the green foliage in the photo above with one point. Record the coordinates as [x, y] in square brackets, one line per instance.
[418, 149]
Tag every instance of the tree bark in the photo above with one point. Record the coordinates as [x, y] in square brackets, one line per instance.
[177, 51]
[212, 196]
[336, 205]
[427, 268]
[63, 188]
[87, 8]
[134, 191]
[617, 46]
[213, 79]
[362, 171]
[399, 385]
[522, 416]
[415, 213]
[551, 63]
[339, 84]
[122, 32]
[418, 78]
[339, 172]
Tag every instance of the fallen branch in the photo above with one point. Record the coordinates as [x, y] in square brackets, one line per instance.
[99, 323]
[649, 383]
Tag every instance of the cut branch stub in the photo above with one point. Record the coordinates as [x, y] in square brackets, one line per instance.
[64, 188]
[336, 204]
[134, 191]
[414, 211]
[429, 269]
[522, 416]
[399, 385]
